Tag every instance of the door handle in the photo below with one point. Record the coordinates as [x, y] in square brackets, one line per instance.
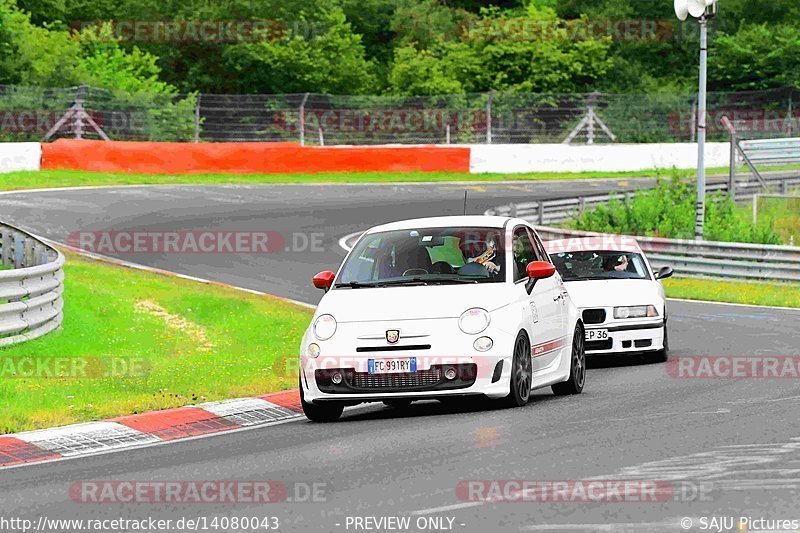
[557, 298]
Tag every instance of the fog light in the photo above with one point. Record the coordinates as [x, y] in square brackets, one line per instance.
[336, 378]
[483, 344]
[313, 350]
[450, 373]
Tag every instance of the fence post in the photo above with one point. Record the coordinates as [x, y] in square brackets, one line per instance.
[303, 120]
[79, 99]
[732, 169]
[197, 119]
[784, 187]
[581, 204]
[447, 137]
[321, 137]
[489, 118]
[541, 213]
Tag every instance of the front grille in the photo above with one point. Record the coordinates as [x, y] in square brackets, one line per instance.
[394, 348]
[594, 316]
[420, 378]
[605, 344]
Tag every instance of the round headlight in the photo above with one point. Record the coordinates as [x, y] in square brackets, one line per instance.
[324, 327]
[474, 320]
[313, 350]
[483, 344]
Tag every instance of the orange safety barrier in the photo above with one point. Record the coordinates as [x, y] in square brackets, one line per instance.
[247, 158]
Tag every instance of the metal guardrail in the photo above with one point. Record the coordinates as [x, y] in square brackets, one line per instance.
[545, 212]
[31, 286]
[708, 258]
[688, 257]
[772, 151]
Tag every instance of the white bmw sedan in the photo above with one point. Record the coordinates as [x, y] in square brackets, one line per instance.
[619, 296]
[441, 308]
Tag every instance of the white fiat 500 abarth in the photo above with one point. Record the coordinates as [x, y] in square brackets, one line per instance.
[620, 297]
[441, 308]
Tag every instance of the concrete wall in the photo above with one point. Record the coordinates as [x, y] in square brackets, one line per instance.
[515, 158]
[20, 156]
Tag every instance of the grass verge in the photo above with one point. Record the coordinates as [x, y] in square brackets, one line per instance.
[190, 342]
[74, 178]
[739, 292]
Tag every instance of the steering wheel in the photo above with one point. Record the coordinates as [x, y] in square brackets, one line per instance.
[415, 271]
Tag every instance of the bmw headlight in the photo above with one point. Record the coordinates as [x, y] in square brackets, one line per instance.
[324, 327]
[637, 311]
[473, 321]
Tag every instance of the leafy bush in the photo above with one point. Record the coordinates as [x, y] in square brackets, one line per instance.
[668, 211]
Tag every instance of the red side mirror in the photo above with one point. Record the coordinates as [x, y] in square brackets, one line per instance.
[540, 269]
[324, 279]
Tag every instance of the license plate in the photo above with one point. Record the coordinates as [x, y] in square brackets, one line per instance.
[596, 334]
[392, 366]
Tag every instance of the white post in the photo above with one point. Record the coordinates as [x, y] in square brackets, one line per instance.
[448, 134]
[303, 120]
[700, 207]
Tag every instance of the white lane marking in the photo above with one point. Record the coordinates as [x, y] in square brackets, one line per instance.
[139, 266]
[446, 508]
[343, 240]
[772, 308]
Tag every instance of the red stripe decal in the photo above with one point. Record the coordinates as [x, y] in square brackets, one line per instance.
[547, 347]
[14, 451]
[289, 399]
[177, 423]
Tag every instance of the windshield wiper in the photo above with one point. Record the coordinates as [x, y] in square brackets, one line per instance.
[359, 284]
[452, 280]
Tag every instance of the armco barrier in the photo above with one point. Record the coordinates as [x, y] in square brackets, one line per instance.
[31, 290]
[248, 158]
[708, 258]
[513, 158]
[20, 156]
[545, 212]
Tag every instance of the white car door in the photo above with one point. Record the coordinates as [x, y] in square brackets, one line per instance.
[543, 308]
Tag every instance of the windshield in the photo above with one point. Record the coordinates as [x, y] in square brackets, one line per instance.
[425, 256]
[592, 265]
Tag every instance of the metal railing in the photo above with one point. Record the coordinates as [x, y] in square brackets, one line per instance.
[31, 286]
[708, 258]
[33, 113]
[772, 151]
[545, 212]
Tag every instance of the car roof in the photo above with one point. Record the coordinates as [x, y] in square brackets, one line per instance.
[467, 221]
[599, 243]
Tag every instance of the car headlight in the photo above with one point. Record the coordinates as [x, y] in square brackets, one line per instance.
[324, 327]
[636, 311]
[483, 344]
[473, 321]
[313, 350]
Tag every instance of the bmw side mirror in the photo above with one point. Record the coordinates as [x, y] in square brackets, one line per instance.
[538, 270]
[665, 272]
[324, 280]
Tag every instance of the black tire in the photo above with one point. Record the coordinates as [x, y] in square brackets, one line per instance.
[521, 373]
[327, 412]
[577, 365]
[397, 404]
[662, 355]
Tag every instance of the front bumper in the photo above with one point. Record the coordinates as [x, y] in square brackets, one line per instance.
[625, 338]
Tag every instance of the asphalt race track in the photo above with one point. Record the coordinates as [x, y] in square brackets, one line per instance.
[731, 446]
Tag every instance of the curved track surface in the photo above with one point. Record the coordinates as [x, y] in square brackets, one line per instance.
[736, 441]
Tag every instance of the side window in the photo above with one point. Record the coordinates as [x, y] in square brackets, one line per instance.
[523, 252]
[540, 251]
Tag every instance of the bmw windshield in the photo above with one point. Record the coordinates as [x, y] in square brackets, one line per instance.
[597, 265]
[425, 256]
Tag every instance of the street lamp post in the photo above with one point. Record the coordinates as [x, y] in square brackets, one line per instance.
[702, 10]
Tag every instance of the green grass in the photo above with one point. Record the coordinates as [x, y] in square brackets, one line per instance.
[734, 291]
[74, 178]
[216, 343]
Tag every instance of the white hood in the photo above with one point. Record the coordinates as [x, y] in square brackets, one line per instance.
[610, 293]
[410, 303]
